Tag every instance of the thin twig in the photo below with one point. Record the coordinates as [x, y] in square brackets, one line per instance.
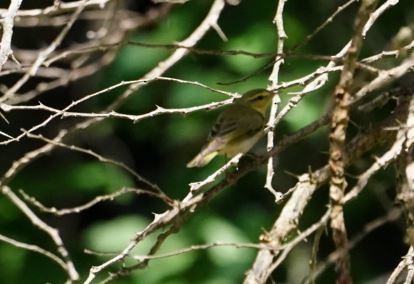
[52, 232]
[36, 249]
[391, 216]
[63, 7]
[274, 79]
[44, 54]
[104, 160]
[199, 32]
[89, 204]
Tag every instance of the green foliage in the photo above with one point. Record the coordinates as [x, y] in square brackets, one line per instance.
[113, 235]
[92, 176]
[13, 260]
[159, 147]
[304, 113]
[89, 176]
[213, 229]
[251, 40]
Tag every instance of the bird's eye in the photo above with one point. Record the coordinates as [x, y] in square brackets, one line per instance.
[259, 98]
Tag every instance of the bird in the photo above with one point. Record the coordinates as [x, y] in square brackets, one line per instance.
[237, 129]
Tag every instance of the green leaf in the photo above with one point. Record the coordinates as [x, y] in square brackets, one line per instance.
[95, 175]
[307, 111]
[215, 229]
[113, 235]
[169, 269]
[257, 38]
[92, 176]
[12, 262]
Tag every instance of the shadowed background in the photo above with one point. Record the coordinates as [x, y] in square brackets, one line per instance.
[158, 148]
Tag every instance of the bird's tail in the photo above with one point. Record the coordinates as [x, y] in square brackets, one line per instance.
[202, 159]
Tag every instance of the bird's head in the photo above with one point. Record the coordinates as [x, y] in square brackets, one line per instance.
[258, 99]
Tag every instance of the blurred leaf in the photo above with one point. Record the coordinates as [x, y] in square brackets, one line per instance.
[92, 176]
[12, 261]
[9, 211]
[169, 269]
[134, 61]
[215, 229]
[217, 280]
[185, 95]
[161, 145]
[113, 235]
[305, 112]
[253, 217]
[295, 29]
[95, 175]
[260, 37]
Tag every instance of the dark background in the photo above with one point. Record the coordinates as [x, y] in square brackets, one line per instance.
[159, 148]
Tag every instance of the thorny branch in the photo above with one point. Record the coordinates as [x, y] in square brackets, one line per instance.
[338, 127]
[274, 79]
[52, 232]
[57, 65]
[42, 56]
[8, 22]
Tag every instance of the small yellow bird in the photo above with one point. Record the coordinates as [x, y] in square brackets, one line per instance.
[237, 128]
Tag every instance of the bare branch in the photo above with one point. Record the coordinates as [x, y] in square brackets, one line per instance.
[325, 23]
[44, 54]
[211, 18]
[104, 160]
[274, 79]
[302, 192]
[195, 186]
[52, 232]
[8, 21]
[36, 249]
[32, 74]
[57, 9]
[404, 263]
[339, 123]
[88, 205]
[368, 228]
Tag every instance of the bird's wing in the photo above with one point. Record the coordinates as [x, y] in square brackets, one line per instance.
[234, 123]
